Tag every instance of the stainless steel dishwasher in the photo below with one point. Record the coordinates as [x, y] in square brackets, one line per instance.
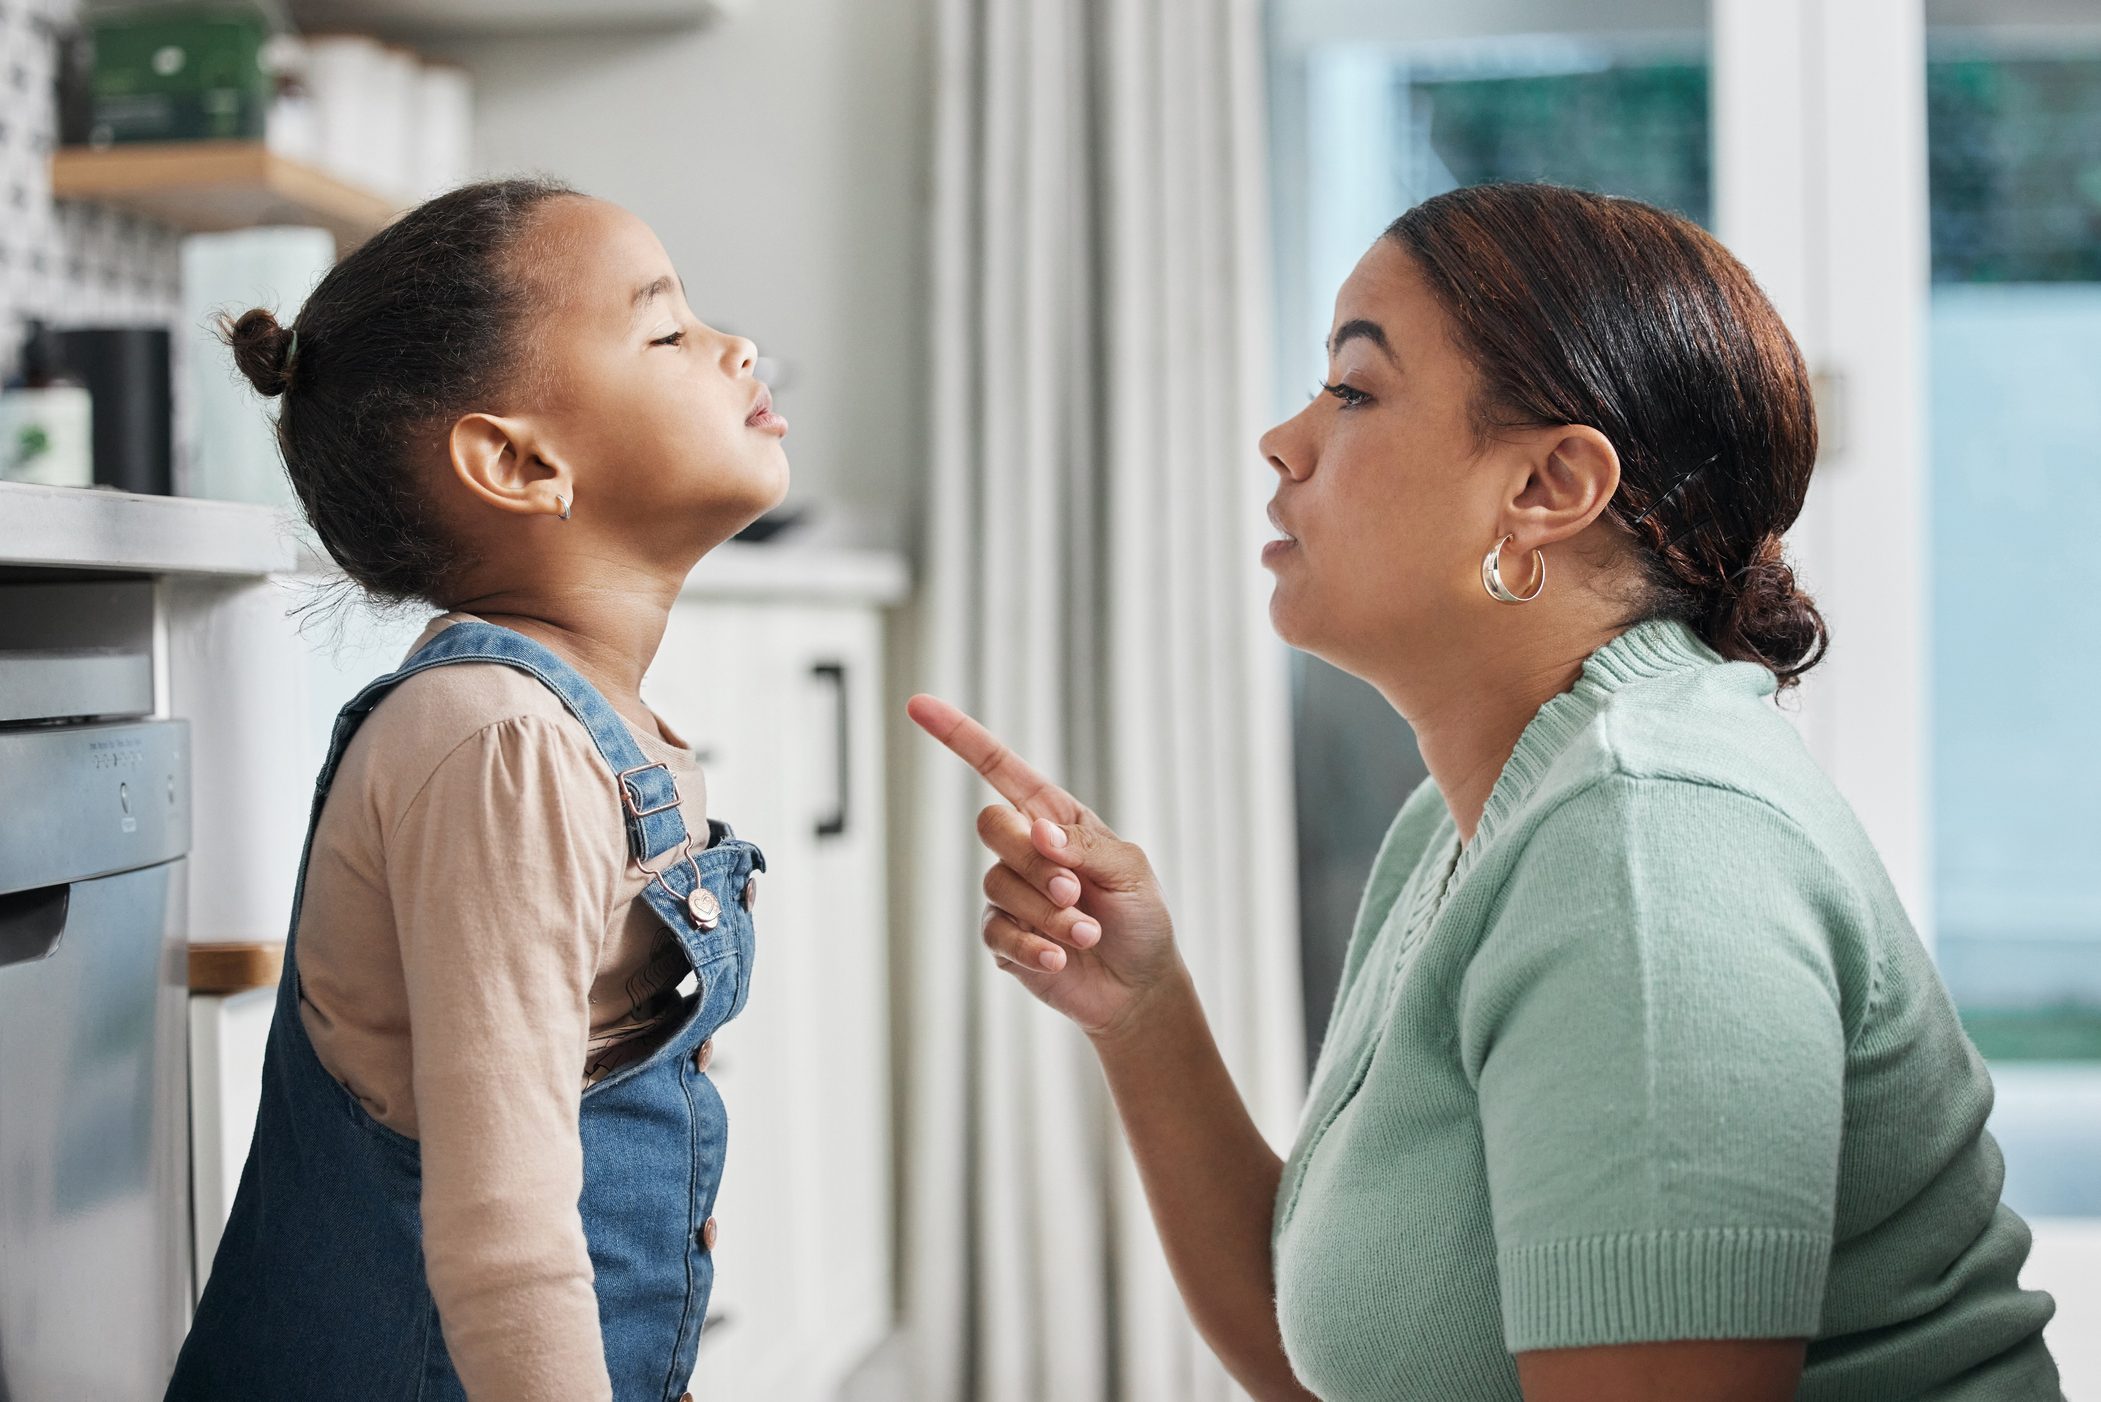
[94, 825]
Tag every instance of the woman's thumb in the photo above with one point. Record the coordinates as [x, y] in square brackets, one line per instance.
[1057, 841]
[1083, 848]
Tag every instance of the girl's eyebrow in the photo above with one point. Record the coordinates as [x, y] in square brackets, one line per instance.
[657, 287]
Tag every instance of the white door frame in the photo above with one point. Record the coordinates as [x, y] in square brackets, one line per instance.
[1820, 187]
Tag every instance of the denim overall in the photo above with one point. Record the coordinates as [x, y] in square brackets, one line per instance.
[318, 1290]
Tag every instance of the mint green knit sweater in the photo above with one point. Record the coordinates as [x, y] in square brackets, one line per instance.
[1655, 1056]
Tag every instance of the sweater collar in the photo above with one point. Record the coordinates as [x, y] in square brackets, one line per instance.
[1658, 647]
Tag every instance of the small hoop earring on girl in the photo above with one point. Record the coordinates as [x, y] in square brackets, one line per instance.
[562, 502]
[1492, 575]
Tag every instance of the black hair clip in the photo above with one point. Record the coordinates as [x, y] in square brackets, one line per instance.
[1671, 493]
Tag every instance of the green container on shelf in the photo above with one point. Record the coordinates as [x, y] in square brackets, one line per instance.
[179, 73]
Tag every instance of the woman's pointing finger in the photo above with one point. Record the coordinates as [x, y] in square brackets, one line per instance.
[1013, 777]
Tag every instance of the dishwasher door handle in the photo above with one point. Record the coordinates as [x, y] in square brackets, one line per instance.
[32, 922]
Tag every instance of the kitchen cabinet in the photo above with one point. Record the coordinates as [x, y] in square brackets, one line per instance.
[771, 669]
[784, 701]
[228, 1035]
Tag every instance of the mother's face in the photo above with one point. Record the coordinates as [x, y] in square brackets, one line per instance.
[1381, 483]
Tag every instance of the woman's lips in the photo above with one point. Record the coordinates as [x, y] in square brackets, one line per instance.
[1285, 543]
[762, 416]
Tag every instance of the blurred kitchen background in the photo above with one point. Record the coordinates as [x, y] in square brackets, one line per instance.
[1029, 277]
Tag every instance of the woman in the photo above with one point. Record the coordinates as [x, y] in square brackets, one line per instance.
[1638, 1083]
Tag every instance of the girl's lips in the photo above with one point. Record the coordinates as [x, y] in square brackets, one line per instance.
[762, 416]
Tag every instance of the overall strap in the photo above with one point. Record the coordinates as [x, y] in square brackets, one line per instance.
[657, 838]
[649, 798]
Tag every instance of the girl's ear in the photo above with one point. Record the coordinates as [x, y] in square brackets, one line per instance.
[494, 458]
[1574, 472]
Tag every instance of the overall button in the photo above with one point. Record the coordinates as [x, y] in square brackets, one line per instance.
[705, 909]
[706, 1235]
[751, 891]
[705, 1055]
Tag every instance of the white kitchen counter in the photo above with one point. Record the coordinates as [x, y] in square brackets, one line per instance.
[88, 528]
[774, 573]
[809, 573]
[91, 528]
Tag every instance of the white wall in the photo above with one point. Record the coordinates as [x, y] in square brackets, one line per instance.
[782, 156]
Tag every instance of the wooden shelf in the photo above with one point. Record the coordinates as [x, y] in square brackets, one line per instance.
[206, 186]
[235, 968]
[442, 19]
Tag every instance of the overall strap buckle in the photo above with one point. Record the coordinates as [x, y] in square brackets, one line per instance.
[636, 801]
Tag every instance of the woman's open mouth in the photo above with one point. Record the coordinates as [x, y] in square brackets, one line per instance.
[1284, 543]
[762, 416]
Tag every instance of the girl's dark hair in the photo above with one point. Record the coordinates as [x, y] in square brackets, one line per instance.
[1584, 309]
[415, 327]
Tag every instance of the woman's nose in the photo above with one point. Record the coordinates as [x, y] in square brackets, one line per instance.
[741, 353]
[1284, 448]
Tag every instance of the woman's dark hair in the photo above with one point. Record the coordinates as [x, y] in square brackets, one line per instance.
[1584, 309]
[415, 327]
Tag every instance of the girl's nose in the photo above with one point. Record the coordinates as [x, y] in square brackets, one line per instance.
[741, 353]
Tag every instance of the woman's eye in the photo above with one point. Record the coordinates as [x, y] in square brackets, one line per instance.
[1349, 396]
[673, 339]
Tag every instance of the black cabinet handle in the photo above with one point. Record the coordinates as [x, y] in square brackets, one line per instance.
[835, 825]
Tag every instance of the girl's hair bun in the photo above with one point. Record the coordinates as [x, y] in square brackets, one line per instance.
[261, 348]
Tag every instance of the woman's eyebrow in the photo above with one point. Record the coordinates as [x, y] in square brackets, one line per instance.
[1359, 328]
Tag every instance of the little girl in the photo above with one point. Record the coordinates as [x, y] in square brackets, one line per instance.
[503, 407]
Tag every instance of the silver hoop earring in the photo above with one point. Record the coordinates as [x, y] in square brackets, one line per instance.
[1492, 575]
[562, 502]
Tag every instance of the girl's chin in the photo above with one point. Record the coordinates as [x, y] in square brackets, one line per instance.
[780, 476]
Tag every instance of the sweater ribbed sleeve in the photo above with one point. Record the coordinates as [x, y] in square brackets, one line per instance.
[1652, 1025]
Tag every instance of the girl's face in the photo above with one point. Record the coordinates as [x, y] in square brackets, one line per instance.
[1383, 495]
[667, 432]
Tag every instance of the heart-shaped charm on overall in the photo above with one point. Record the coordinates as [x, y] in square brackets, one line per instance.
[707, 911]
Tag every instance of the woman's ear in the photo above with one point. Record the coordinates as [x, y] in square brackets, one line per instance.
[497, 460]
[1574, 472]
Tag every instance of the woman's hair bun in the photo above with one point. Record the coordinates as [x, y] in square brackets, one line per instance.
[261, 348]
[1762, 615]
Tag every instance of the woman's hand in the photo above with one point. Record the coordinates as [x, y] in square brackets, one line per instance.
[1076, 915]
[1073, 911]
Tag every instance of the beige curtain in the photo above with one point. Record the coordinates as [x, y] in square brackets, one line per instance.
[1091, 589]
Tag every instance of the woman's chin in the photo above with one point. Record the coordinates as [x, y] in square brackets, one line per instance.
[1286, 618]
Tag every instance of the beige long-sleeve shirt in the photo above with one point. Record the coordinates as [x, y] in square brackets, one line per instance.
[472, 952]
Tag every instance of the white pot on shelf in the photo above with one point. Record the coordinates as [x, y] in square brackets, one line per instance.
[442, 128]
[345, 74]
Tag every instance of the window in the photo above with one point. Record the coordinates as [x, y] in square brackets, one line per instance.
[1365, 126]
[2014, 354]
